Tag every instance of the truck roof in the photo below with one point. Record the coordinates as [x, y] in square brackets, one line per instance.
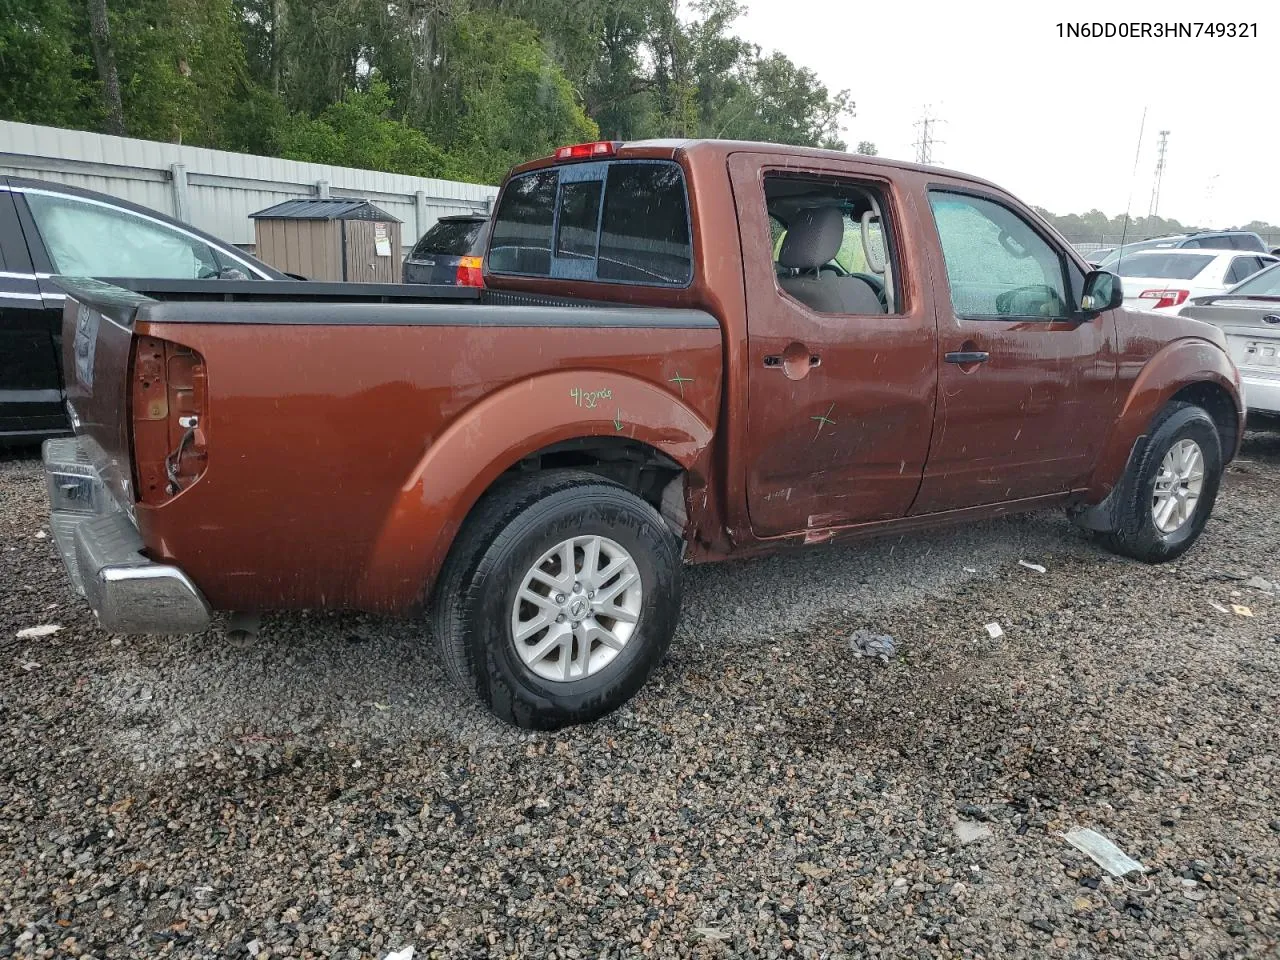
[669, 148]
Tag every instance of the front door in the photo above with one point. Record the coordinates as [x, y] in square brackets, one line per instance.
[30, 384]
[841, 346]
[1024, 380]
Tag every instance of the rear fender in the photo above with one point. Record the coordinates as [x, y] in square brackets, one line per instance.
[494, 435]
[1180, 364]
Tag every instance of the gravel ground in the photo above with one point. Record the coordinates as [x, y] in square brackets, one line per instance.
[322, 792]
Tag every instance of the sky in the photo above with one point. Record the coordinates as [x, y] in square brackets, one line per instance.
[1056, 120]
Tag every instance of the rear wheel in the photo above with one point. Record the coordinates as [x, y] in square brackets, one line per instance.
[1169, 491]
[558, 599]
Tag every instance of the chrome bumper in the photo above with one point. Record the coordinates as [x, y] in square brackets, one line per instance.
[103, 553]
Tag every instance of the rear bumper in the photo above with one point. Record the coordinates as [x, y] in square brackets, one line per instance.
[1261, 393]
[103, 553]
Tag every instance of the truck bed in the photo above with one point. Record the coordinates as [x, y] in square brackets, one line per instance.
[353, 427]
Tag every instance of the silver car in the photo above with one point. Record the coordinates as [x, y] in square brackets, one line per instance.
[1249, 314]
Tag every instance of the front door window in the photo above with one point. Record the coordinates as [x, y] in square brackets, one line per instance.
[997, 266]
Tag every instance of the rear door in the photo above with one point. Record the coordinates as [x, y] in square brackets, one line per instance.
[840, 404]
[30, 383]
[1024, 382]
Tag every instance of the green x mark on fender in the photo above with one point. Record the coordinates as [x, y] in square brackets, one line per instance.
[680, 381]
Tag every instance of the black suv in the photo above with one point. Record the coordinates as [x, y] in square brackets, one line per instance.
[50, 228]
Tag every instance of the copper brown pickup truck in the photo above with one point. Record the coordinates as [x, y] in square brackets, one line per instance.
[685, 351]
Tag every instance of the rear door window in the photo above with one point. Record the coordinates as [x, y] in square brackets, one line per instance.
[1265, 284]
[612, 221]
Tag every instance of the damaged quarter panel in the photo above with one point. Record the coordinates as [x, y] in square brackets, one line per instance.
[365, 444]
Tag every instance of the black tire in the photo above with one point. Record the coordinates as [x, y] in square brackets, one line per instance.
[505, 535]
[1136, 534]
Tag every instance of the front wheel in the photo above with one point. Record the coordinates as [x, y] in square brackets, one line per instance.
[1169, 491]
[559, 598]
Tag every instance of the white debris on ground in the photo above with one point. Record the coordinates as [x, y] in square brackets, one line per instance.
[1038, 568]
[995, 631]
[967, 831]
[35, 633]
[864, 643]
[1105, 853]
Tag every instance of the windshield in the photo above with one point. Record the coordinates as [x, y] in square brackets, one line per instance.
[454, 238]
[1172, 266]
[1264, 284]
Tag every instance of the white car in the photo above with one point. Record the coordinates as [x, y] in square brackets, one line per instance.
[1163, 280]
[1249, 314]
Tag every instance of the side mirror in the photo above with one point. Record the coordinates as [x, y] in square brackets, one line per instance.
[1102, 291]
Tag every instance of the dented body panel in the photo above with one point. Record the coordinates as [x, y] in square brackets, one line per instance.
[325, 454]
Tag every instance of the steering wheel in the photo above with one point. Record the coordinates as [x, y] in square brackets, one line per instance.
[1033, 300]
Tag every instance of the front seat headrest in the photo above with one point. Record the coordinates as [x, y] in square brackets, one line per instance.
[813, 238]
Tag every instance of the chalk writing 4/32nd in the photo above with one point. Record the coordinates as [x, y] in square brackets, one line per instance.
[589, 398]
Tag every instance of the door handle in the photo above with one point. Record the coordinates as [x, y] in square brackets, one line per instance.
[968, 356]
[777, 360]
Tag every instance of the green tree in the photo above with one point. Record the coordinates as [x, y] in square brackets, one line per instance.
[358, 132]
[446, 87]
[181, 67]
[46, 74]
[781, 102]
[502, 99]
[867, 148]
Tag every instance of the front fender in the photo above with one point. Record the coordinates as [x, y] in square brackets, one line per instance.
[1177, 365]
[492, 436]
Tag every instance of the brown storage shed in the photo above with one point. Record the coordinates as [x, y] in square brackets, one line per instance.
[330, 239]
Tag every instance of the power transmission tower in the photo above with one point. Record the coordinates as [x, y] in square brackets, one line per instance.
[927, 125]
[1155, 186]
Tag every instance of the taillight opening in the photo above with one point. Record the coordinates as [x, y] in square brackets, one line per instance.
[587, 151]
[168, 397]
[1165, 298]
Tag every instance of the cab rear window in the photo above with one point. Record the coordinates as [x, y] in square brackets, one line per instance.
[616, 221]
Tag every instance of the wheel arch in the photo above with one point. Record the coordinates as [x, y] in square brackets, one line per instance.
[1190, 369]
[1214, 399]
[644, 438]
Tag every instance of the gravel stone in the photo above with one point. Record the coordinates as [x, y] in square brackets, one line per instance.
[323, 791]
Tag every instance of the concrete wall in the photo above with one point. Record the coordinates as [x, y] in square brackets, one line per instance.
[216, 190]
